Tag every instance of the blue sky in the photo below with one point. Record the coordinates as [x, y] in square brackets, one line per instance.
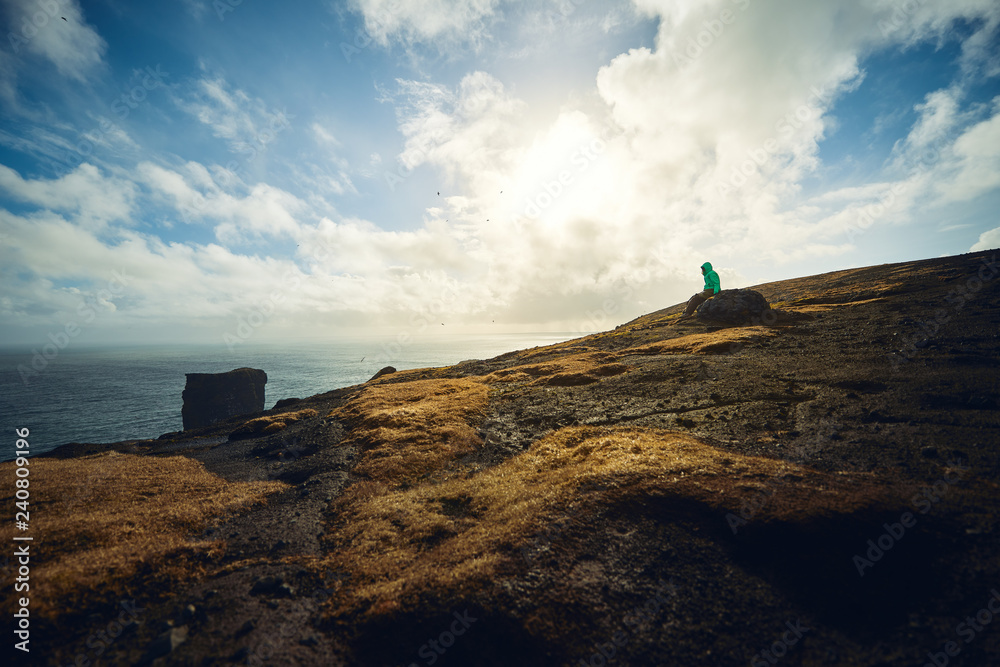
[232, 171]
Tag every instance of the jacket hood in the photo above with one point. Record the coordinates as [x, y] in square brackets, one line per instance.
[707, 266]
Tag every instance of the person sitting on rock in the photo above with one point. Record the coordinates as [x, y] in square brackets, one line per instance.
[712, 287]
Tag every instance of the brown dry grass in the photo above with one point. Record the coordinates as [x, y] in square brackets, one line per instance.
[823, 307]
[433, 373]
[571, 370]
[577, 345]
[842, 287]
[716, 342]
[409, 430]
[272, 423]
[453, 537]
[114, 525]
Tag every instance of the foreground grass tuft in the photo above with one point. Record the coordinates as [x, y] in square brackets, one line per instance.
[450, 538]
[113, 525]
[410, 430]
[271, 423]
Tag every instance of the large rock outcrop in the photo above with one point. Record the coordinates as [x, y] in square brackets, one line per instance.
[213, 397]
[735, 306]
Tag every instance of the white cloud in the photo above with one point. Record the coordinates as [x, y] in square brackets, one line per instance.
[72, 45]
[342, 270]
[246, 123]
[324, 135]
[471, 132]
[164, 283]
[92, 198]
[544, 212]
[938, 116]
[910, 23]
[987, 240]
[977, 156]
[263, 211]
[427, 21]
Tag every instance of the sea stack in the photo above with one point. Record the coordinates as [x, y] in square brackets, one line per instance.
[213, 397]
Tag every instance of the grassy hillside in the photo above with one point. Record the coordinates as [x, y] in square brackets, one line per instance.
[821, 485]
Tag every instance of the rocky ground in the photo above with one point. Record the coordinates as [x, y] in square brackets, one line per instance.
[815, 488]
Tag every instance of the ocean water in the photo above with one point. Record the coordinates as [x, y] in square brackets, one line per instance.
[109, 394]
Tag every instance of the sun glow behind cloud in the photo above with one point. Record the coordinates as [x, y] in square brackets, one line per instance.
[396, 161]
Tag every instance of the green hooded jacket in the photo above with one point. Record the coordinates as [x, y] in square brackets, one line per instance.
[711, 278]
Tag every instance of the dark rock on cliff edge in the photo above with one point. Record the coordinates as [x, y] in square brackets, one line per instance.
[213, 397]
[388, 370]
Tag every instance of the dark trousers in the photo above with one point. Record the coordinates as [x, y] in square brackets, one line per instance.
[696, 300]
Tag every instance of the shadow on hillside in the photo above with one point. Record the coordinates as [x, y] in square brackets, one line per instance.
[813, 563]
[490, 640]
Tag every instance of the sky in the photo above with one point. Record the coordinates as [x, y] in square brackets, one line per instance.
[228, 171]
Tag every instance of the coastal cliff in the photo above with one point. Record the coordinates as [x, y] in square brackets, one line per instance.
[817, 486]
